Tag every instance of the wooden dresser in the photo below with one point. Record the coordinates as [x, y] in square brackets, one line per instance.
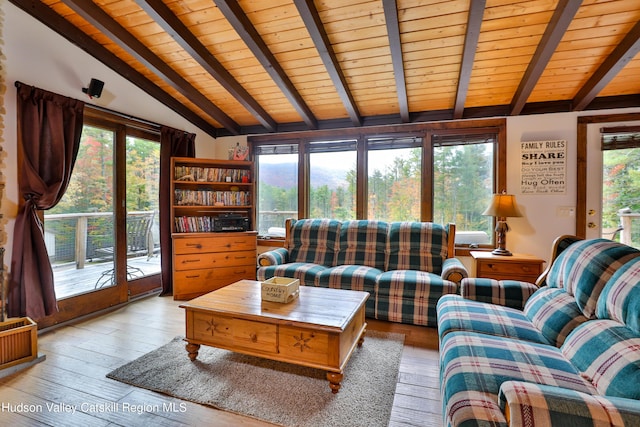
[203, 262]
[521, 267]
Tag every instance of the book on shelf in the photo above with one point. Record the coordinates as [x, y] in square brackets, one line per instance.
[193, 224]
[186, 197]
[205, 174]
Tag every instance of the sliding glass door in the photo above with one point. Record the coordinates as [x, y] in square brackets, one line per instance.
[103, 236]
[142, 214]
[79, 231]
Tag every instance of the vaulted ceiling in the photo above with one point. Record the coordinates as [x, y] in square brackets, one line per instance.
[259, 66]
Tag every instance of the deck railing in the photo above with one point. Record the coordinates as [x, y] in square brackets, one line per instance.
[271, 219]
[79, 237]
[629, 235]
[85, 234]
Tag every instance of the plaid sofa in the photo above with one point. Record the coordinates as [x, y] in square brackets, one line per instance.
[404, 266]
[570, 357]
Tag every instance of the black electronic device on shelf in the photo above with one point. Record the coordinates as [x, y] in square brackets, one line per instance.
[230, 222]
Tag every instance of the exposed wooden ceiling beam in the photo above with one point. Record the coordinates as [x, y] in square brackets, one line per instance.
[393, 31]
[118, 34]
[190, 43]
[57, 23]
[562, 17]
[616, 61]
[245, 29]
[309, 15]
[476, 12]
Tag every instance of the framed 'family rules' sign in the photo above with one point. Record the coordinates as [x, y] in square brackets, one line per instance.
[543, 168]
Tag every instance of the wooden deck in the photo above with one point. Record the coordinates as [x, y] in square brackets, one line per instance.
[80, 355]
[71, 281]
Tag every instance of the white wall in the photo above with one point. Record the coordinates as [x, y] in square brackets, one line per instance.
[35, 55]
[534, 232]
[542, 219]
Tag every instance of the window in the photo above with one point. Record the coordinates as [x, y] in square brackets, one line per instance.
[621, 184]
[440, 172]
[332, 172]
[277, 167]
[463, 177]
[394, 178]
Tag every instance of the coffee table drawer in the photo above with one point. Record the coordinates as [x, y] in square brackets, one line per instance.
[304, 345]
[229, 332]
[255, 335]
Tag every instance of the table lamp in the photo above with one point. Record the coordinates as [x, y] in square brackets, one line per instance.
[502, 206]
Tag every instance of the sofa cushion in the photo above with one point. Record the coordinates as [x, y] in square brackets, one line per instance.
[416, 246]
[459, 314]
[584, 267]
[305, 272]
[363, 242]
[314, 241]
[352, 277]
[620, 298]
[541, 405]
[474, 366]
[608, 354]
[409, 296]
[509, 293]
[554, 313]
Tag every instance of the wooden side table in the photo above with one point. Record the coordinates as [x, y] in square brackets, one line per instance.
[521, 267]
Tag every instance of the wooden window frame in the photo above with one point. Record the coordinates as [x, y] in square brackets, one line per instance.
[424, 130]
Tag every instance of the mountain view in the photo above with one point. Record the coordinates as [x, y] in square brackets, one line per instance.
[284, 175]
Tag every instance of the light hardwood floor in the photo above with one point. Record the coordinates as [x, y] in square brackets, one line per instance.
[79, 356]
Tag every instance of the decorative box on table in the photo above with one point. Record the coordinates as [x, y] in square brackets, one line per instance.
[280, 289]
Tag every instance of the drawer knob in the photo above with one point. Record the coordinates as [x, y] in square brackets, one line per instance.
[254, 337]
[194, 245]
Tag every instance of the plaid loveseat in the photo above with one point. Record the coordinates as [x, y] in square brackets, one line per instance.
[404, 266]
[570, 357]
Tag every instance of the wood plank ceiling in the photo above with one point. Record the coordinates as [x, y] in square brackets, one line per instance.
[257, 66]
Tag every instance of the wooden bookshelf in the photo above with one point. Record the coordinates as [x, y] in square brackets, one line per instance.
[201, 191]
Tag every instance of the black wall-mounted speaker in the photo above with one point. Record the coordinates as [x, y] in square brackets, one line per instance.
[95, 88]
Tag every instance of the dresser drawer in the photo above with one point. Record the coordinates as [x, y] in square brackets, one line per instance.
[491, 269]
[226, 243]
[188, 284]
[523, 267]
[214, 259]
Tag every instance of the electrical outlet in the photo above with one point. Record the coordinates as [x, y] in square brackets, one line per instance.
[566, 211]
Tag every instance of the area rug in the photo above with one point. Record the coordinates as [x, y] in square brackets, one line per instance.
[276, 392]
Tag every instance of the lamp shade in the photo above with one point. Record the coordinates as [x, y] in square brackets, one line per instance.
[502, 206]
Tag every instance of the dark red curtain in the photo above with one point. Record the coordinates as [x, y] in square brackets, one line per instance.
[49, 131]
[173, 143]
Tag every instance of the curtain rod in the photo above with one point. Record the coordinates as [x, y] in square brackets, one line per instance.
[18, 84]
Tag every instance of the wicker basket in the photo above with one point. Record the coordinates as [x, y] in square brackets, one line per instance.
[18, 341]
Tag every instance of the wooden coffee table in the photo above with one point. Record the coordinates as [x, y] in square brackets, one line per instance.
[319, 329]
